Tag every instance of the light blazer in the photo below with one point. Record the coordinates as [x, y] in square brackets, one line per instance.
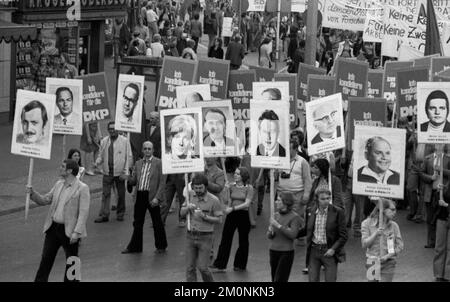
[157, 179]
[122, 153]
[76, 206]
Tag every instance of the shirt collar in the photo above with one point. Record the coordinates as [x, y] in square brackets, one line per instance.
[147, 160]
[380, 180]
[324, 211]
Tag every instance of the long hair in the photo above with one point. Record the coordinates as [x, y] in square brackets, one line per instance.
[323, 165]
[386, 203]
[72, 152]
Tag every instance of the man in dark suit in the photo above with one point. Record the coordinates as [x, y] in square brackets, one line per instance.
[437, 109]
[378, 156]
[269, 131]
[154, 133]
[325, 122]
[235, 53]
[216, 125]
[326, 235]
[147, 176]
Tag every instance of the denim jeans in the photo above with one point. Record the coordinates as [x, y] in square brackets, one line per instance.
[106, 197]
[198, 249]
[316, 260]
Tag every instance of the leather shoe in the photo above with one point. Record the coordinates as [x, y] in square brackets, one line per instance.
[127, 251]
[101, 219]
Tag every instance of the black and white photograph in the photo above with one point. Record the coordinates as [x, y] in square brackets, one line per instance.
[69, 103]
[189, 94]
[325, 124]
[33, 124]
[379, 161]
[181, 140]
[433, 123]
[219, 132]
[130, 95]
[271, 91]
[269, 134]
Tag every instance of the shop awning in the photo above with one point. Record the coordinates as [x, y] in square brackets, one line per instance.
[12, 31]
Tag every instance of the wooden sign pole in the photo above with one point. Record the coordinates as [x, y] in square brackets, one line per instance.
[64, 147]
[272, 193]
[186, 183]
[29, 183]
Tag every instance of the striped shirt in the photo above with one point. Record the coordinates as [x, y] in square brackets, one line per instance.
[144, 181]
[320, 236]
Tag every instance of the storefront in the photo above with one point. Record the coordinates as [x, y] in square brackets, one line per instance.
[82, 40]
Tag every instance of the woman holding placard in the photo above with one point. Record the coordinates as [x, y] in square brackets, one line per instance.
[239, 199]
[391, 244]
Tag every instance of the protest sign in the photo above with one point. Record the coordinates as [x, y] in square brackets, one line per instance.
[263, 74]
[424, 61]
[69, 105]
[175, 72]
[95, 97]
[292, 80]
[439, 64]
[407, 89]
[227, 27]
[271, 91]
[214, 72]
[325, 124]
[351, 78]
[373, 26]
[390, 78]
[372, 177]
[182, 149]
[365, 112]
[33, 124]
[130, 95]
[188, 94]
[433, 124]
[219, 134]
[320, 86]
[240, 91]
[269, 134]
[256, 5]
[345, 14]
[375, 83]
[303, 71]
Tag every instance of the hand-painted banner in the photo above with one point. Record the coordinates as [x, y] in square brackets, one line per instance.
[292, 80]
[95, 97]
[303, 71]
[263, 74]
[366, 112]
[175, 72]
[439, 64]
[256, 5]
[240, 91]
[390, 78]
[375, 83]
[214, 72]
[320, 86]
[340, 15]
[407, 89]
[351, 78]
[373, 27]
[227, 27]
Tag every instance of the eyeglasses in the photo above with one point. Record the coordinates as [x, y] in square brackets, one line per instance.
[393, 209]
[148, 148]
[128, 99]
[329, 117]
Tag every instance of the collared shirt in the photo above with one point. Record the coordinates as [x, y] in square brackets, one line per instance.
[144, 182]
[381, 179]
[58, 215]
[391, 231]
[209, 205]
[70, 119]
[320, 235]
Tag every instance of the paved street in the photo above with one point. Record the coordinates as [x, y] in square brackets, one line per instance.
[21, 246]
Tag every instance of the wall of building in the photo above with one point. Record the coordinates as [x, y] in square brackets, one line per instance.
[5, 67]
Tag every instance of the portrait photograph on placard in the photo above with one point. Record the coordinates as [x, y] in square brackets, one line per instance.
[33, 124]
[325, 124]
[379, 161]
[69, 105]
[271, 91]
[130, 95]
[219, 132]
[269, 134]
[182, 149]
[433, 125]
[186, 95]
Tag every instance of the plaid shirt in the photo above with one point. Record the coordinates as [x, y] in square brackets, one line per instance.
[320, 236]
[41, 75]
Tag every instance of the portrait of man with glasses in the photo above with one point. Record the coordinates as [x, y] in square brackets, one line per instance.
[325, 122]
[130, 99]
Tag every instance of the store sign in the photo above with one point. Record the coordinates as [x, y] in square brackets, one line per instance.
[74, 11]
[87, 4]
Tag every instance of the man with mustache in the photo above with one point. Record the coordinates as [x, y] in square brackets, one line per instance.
[64, 102]
[129, 100]
[436, 107]
[378, 155]
[33, 119]
[325, 122]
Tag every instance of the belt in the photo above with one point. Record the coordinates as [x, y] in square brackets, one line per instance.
[194, 232]
[319, 245]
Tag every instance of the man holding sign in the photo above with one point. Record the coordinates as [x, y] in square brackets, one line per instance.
[437, 109]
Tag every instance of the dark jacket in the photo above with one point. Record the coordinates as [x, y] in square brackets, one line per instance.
[213, 53]
[235, 53]
[157, 179]
[336, 189]
[336, 231]
[394, 179]
[424, 127]
[317, 139]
